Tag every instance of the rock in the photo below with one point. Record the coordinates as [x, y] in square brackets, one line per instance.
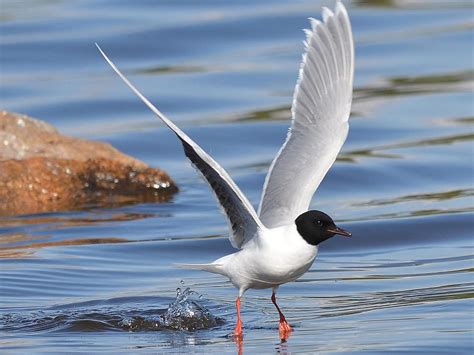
[44, 171]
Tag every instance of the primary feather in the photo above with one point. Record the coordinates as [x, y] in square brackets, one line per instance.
[241, 215]
[320, 113]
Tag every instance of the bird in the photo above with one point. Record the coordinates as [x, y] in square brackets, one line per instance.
[278, 243]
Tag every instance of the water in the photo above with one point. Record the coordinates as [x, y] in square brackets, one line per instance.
[128, 314]
[102, 279]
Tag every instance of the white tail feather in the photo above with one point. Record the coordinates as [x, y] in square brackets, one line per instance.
[211, 267]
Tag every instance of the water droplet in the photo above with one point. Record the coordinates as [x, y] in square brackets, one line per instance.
[186, 314]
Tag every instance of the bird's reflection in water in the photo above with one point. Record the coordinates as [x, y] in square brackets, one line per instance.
[281, 348]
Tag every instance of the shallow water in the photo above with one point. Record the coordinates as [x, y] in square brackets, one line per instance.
[101, 279]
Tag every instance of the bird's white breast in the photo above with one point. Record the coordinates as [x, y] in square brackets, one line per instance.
[274, 257]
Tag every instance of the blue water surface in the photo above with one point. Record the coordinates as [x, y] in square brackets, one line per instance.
[225, 72]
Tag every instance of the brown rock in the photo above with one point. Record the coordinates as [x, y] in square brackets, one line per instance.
[42, 170]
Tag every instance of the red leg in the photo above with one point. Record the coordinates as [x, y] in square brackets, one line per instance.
[238, 335]
[284, 328]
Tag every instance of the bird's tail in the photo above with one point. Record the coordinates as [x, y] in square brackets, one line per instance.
[211, 267]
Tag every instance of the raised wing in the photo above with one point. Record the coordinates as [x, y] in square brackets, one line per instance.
[241, 216]
[320, 113]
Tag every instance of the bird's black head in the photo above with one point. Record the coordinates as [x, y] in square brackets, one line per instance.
[316, 227]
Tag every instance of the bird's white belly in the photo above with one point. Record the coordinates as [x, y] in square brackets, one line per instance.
[286, 267]
[272, 266]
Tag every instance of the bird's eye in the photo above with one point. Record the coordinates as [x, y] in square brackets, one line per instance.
[319, 223]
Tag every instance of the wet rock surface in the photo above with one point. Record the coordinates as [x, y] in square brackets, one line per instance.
[42, 170]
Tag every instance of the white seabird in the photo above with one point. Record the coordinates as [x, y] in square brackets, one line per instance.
[280, 242]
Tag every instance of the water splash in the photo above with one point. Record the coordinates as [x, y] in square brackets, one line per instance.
[185, 313]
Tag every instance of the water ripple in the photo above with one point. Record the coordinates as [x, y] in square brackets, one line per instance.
[183, 314]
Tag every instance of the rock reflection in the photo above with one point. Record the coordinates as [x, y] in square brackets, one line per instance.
[26, 250]
[20, 244]
[71, 220]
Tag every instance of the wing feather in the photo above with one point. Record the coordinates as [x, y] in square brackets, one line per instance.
[242, 218]
[320, 113]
